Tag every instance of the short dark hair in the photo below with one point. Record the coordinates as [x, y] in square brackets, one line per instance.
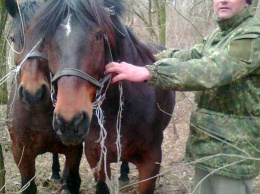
[249, 1]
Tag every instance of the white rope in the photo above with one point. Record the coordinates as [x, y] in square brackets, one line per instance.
[10, 59]
[23, 30]
[19, 67]
[103, 134]
[6, 77]
[118, 140]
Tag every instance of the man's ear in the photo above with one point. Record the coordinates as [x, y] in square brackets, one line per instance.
[11, 7]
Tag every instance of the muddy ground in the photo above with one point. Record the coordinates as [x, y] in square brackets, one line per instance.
[175, 177]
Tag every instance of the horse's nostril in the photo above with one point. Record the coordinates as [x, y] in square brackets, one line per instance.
[20, 92]
[40, 93]
[82, 123]
[58, 123]
[58, 119]
[78, 119]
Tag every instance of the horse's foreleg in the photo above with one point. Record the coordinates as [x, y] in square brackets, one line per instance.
[26, 164]
[64, 175]
[124, 171]
[148, 170]
[99, 174]
[72, 164]
[100, 177]
[55, 167]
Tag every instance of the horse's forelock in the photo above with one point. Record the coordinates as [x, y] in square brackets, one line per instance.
[54, 12]
[101, 12]
[47, 20]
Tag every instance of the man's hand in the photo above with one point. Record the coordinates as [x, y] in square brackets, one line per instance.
[126, 71]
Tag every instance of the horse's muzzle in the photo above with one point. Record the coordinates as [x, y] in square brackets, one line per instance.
[38, 100]
[71, 132]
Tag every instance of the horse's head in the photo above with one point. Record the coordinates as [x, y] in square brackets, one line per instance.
[34, 81]
[78, 36]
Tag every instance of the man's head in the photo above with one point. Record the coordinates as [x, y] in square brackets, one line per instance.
[226, 9]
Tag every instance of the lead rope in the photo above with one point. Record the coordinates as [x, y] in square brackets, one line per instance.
[118, 140]
[103, 133]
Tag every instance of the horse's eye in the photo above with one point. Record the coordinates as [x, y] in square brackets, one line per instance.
[99, 37]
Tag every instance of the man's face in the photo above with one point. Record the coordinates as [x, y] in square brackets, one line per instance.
[226, 9]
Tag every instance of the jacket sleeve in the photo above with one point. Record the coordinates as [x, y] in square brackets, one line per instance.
[183, 55]
[239, 59]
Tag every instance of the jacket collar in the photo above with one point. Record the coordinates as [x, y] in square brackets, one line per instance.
[229, 24]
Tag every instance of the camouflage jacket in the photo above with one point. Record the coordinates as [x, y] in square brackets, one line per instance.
[224, 70]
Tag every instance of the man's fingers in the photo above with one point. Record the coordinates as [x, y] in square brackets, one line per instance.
[118, 77]
[109, 70]
[112, 68]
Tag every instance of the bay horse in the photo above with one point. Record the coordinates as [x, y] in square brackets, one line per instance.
[80, 38]
[30, 111]
[28, 9]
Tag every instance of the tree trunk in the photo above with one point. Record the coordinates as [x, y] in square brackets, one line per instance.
[160, 7]
[3, 87]
[162, 19]
[2, 171]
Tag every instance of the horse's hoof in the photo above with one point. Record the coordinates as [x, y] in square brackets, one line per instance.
[56, 177]
[123, 183]
[102, 188]
[56, 180]
[65, 191]
[123, 180]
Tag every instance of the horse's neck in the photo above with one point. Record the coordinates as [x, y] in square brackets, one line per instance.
[130, 53]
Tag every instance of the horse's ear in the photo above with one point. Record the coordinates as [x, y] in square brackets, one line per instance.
[11, 7]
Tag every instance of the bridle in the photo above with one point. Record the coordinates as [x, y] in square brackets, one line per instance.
[78, 73]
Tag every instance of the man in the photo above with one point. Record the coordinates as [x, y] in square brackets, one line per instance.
[224, 70]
